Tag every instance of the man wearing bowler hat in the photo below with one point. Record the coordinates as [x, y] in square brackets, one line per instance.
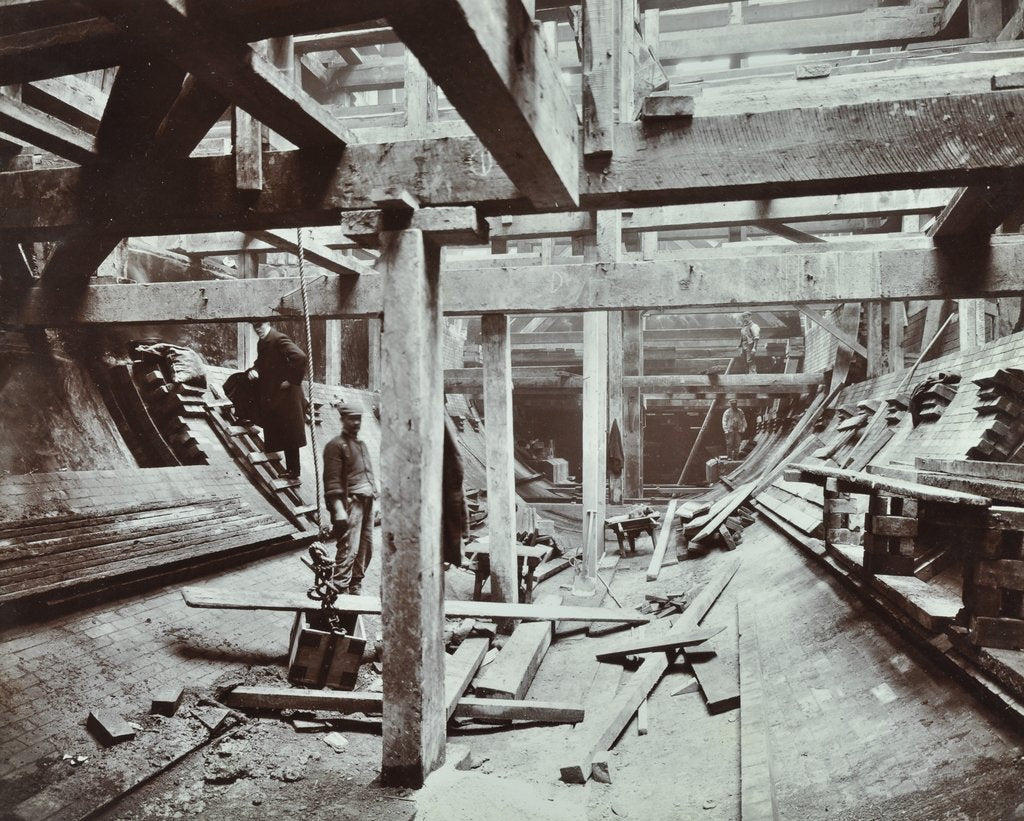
[349, 491]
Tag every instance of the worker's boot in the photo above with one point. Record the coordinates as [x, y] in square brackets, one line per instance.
[355, 589]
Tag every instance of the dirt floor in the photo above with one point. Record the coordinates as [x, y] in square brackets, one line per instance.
[860, 726]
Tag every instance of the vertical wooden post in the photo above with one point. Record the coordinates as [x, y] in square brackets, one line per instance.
[332, 352]
[247, 267]
[632, 426]
[984, 18]
[496, 352]
[247, 142]
[971, 315]
[549, 31]
[420, 94]
[373, 333]
[626, 52]
[873, 317]
[595, 410]
[897, 326]
[598, 76]
[652, 29]
[412, 403]
[615, 396]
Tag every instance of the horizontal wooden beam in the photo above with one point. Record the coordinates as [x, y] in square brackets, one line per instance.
[471, 379]
[492, 64]
[958, 140]
[52, 38]
[314, 252]
[194, 40]
[975, 212]
[45, 131]
[727, 277]
[873, 27]
[725, 214]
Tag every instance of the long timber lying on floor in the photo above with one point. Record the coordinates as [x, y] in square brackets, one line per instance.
[221, 599]
[619, 711]
[496, 709]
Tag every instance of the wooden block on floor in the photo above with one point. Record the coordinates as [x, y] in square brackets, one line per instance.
[512, 672]
[109, 727]
[893, 525]
[984, 600]
[658, 643]
[1005, 573]
[992, 632]
[667, 107]
[212, 717]
[930, 606]
[167, 701]
[460, 667]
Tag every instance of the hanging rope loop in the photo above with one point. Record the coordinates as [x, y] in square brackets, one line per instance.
[309, 380]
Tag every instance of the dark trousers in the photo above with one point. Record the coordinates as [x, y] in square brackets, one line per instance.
[291, 461]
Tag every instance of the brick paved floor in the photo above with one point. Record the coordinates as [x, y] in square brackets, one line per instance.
[114, 656]
[860, 724]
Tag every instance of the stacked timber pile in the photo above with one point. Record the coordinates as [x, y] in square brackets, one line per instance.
[718, 524]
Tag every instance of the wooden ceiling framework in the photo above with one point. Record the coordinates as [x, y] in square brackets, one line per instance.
[523, 113]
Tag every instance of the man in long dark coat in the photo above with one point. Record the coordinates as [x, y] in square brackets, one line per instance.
[279, 368]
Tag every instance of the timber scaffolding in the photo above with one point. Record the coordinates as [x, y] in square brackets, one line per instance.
[587, 126]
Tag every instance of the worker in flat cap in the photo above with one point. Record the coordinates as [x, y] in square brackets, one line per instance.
[349, 491]
[734, 423]
[750, 335]
[278, 371]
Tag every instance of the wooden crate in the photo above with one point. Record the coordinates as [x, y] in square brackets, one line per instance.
[321, 658]
[993, 582]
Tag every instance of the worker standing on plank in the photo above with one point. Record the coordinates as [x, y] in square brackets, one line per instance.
[750, 335]
[349, 491]
[734, 423]
[279, 368]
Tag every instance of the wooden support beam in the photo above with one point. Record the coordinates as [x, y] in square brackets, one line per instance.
[616, 400]
[974, 213]
[849, 341]
[632, 414]
[971, 319]
[141, 101]
[531, 128]
[786, 231]
[373, 333]
[412, 586]
[332, 352]
[247, 142]
[874, 28]
[420, 94]
[45, 131]
[604, 247]
[193, 38]
[897, 327]
[873, 320]
[712, 159]
[314, 252]
[625, 60]
[598, 24]
[501, 486]
[725, 214]
[722, 277]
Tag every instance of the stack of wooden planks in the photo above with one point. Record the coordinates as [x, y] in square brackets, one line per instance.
[721, 524]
